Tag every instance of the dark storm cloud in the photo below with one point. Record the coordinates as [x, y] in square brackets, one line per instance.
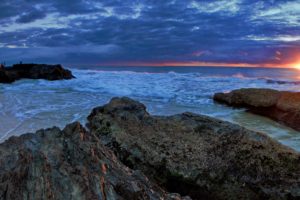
[90, 31]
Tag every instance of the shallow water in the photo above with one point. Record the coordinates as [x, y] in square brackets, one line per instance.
[28, 105]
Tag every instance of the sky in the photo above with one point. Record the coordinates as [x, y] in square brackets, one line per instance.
[151, 32]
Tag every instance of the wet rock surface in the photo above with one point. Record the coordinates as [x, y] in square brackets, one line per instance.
[34, 71]
[196, 155]
[281, 106]
[69, 164]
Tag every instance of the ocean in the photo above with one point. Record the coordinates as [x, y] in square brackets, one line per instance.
[28, 105]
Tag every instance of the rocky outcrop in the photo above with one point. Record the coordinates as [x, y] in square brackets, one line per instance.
[34, 71]
[281, 106]
[69, 164]
[196, 155]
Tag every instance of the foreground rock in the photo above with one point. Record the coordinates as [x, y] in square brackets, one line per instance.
[69, 164]
[281, 106]
[197, 155]
[34, 71]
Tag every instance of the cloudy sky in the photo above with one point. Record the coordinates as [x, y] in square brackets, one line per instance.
[151, 32]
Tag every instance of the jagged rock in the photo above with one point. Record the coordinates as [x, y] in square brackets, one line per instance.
[69, 164]
[281, 106]
[196, 155]
[34, 71]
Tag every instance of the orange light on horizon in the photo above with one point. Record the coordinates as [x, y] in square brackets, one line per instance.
[192, 64]
[297, 65]
[295, 61]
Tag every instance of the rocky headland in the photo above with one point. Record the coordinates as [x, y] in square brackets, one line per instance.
[281, 106]
[33, 71]
[126, 153]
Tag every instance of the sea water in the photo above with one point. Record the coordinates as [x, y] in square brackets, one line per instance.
[28, 105]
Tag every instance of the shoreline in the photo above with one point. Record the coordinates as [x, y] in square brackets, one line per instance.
[251, 121]
[121, 116]
[37, 103]
[130, 153]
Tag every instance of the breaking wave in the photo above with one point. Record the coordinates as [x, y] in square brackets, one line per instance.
[28, 105]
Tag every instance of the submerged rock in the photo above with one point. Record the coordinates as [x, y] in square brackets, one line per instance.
[281, 106]
[196, 155]
[34, 71]
[69, 164]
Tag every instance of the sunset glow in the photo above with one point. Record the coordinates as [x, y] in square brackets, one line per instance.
[199, 64]
[297, 65]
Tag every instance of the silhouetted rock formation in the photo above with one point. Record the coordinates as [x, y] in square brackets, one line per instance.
[196, 155]
[281, 106]
[69, 164]
[34, 71]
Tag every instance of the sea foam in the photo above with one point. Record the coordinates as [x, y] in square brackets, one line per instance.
[34, 104]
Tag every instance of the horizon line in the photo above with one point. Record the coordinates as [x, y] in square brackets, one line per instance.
[195, 64]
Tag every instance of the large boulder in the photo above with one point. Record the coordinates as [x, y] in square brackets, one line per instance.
[69, 164]
[34, 71]
[281, 106]
[196, 155]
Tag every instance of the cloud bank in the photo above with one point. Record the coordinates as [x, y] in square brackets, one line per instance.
[91, 32]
